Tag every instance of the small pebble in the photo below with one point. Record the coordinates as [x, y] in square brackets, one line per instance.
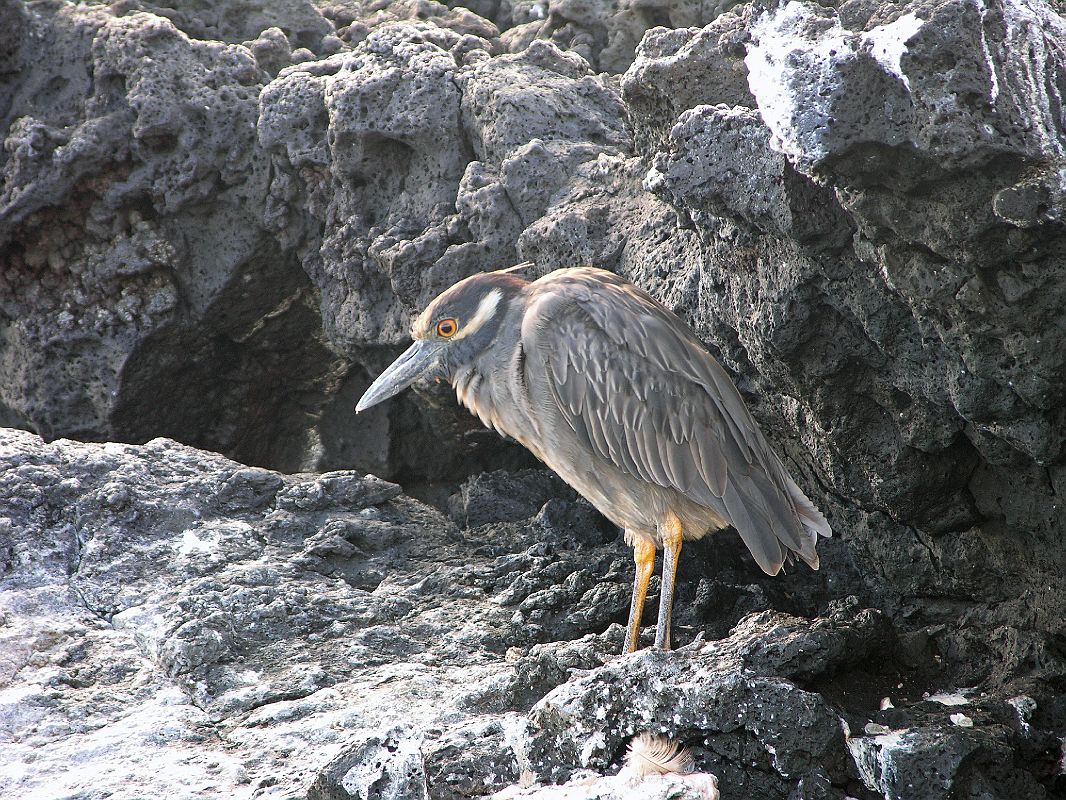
[874, 729]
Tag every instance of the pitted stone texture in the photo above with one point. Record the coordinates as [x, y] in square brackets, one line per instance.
[606, 34]
[719, 164]
[404, 125]
[716, 700]
[471, 760]
[678, 69]
[903, 339]
[369, 138]
[299, 21]
[966, 128]
[131, 235]
[401, 168]
[936, 750]
[208, 627]
[462, 29]
[175, 622]
[142, 219]
[977, 103]
[542, 93]
[725, 698]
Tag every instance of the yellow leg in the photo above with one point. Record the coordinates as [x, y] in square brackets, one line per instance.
[644, 558]
[671, 533]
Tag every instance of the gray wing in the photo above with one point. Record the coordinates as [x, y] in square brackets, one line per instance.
[640, 391]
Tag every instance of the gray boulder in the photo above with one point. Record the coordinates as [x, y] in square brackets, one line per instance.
[141, 294]
[182, 624]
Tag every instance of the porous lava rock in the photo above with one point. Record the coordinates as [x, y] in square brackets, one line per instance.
[174, 622]
[141, 294]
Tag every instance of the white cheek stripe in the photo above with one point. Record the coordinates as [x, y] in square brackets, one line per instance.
[485, 311]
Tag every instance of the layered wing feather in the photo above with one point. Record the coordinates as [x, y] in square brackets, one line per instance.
[640, 390]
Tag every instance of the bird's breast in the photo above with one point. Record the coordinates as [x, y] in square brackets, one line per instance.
[497, 408]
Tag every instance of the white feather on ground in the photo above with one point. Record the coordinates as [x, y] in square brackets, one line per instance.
[656, 755]
[655, 769]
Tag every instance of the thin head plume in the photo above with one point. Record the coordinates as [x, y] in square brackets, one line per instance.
[657, 755]
[518, 267]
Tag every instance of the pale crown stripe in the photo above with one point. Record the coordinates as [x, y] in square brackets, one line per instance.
[485, 310]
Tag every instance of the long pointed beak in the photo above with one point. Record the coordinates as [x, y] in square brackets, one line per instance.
[418, 359]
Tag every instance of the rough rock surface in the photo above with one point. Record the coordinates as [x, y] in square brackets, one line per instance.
[216, 220]
[176, 623]
[141, 294]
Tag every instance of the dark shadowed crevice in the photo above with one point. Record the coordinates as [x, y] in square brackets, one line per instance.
[249, 384]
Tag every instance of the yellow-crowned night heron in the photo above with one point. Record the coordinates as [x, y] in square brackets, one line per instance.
[616, 394]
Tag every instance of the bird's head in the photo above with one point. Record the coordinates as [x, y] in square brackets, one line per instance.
[462, 322]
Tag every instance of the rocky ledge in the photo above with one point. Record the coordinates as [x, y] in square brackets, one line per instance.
[173, 623]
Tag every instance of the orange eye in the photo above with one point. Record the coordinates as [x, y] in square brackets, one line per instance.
[447, 328]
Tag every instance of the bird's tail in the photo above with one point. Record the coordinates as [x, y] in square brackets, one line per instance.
[814, 523]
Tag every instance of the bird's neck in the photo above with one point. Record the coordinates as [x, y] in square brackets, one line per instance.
[491, 387]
